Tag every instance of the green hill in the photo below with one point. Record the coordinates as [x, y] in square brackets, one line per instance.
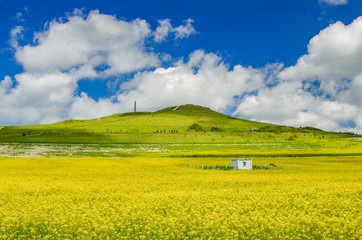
[178, 124]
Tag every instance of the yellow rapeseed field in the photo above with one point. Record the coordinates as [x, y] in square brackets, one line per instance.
[153, 198]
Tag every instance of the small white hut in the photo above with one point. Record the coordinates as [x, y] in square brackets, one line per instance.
[242, 164]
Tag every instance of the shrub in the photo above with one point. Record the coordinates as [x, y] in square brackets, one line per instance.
[196, 127]
[216, 129]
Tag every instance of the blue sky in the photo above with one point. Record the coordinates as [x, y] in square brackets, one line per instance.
[272, 61]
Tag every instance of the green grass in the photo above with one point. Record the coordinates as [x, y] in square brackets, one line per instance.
[197, 129]
[183, 124]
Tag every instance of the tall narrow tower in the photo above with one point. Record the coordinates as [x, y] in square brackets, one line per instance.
[134, 106]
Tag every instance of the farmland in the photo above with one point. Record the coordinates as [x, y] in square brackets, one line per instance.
[166, 175]
[146, 198]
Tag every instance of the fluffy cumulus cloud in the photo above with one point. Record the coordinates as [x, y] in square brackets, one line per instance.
[204, 79]
[322, 89]
[289, 104]
[333, 2]
[84, 107]
[69, 49]
[35, 98]
[334, 56]
[97, 40]
[5, 85]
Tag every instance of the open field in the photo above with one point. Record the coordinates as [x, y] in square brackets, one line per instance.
[151, 198]
[166, 175]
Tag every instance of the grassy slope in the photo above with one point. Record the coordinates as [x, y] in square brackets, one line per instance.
[208, 127]
[132, 127]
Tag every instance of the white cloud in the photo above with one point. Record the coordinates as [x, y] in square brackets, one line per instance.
[165, 28]
[76, 47]
[353, 95]
[358, 122]
[203, 80]
[288, 104]
[333, 2]
[84, 107]
[276, 104]
[97, 40]
[16, 34]
[334, 55]
[5, 85]
[186, 30]
[36, 97]
[334, 59]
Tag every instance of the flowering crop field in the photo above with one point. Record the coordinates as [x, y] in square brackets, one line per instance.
[153, 198]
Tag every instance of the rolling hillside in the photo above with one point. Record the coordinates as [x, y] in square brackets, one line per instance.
[178, 124]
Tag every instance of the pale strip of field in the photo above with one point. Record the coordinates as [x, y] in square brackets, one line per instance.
[69, 150]
[114, 150]
[357, 138]
[187, 150]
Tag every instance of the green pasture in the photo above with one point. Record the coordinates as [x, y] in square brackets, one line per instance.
[177, 125]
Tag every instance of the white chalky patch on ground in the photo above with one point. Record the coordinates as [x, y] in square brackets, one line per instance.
[65, 150]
